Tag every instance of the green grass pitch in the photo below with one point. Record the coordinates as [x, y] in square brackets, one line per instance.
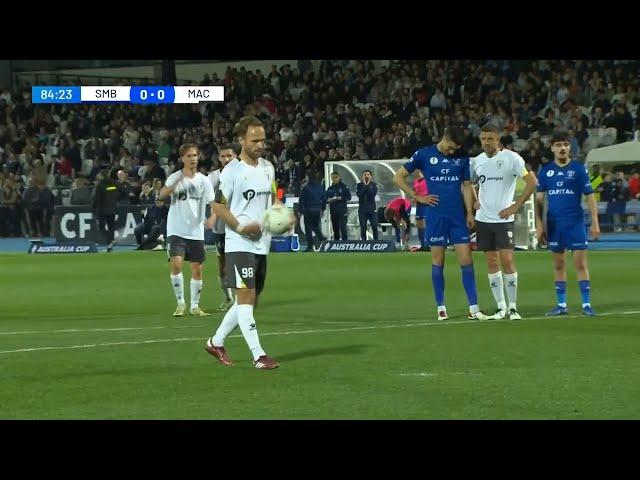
[92, 337]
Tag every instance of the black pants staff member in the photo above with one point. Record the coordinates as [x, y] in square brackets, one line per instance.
[105, 198]
[313, 202]
[338, 195]
[367, 191]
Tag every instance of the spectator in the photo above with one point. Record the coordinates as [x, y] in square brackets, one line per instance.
[360, 153]
[80, 192]
[438, 100]
[152, 170]
[602, 102]
[9, 216]
[634, 185]
[416, 141]
[598, 117]
[114, 144]
[39, 171]
[127, 162]
[126, 192]
[622, 121]
[146, 150]
[73, 154]
[38, 202]
[63, 170]
[154, 224]
[147, 194]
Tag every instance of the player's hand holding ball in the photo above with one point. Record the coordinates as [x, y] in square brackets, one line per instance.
[279, 219]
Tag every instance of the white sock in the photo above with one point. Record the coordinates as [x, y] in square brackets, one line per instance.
[249, 330]
[178, 287]
[497, 288]
[225, 290]
[442, 308]
[196, 289]
[229, 322]
[511, 285]
[474, 308]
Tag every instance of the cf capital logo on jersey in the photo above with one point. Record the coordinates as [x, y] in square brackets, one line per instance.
[249, 194]
[433, 160]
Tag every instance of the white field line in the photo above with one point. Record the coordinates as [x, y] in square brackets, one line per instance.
[177, 327]
[299, 332]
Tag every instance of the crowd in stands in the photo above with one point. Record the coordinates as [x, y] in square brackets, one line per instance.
[313, 113]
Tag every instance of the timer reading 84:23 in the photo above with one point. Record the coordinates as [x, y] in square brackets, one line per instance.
[55, 94]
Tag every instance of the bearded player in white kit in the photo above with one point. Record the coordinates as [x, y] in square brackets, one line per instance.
[226, 153]
[190, 193]
[496, 170]
[247, 190]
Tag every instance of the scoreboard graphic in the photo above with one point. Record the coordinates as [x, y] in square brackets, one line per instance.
[123, 94]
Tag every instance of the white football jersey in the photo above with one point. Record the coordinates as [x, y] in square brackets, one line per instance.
[214, 178]
[188, 204]
[497, 179]
[248, 194]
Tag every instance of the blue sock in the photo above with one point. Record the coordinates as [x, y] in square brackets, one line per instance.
[561, 293]
[437, 278]
[397, 235]
[469, 283]
[423, 240]
[585, 291]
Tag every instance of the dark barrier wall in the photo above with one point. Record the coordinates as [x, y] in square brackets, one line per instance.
[78, 224]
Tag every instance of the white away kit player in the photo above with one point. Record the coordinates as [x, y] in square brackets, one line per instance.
[247, 190]
[496, 170]
[190, 193]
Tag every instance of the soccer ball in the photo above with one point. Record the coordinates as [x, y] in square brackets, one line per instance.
[277, 220]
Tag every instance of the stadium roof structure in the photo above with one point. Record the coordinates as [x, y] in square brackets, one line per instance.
[627, 152]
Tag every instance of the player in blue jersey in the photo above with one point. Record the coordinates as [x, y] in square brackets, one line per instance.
[564, 181]
[450, 191]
